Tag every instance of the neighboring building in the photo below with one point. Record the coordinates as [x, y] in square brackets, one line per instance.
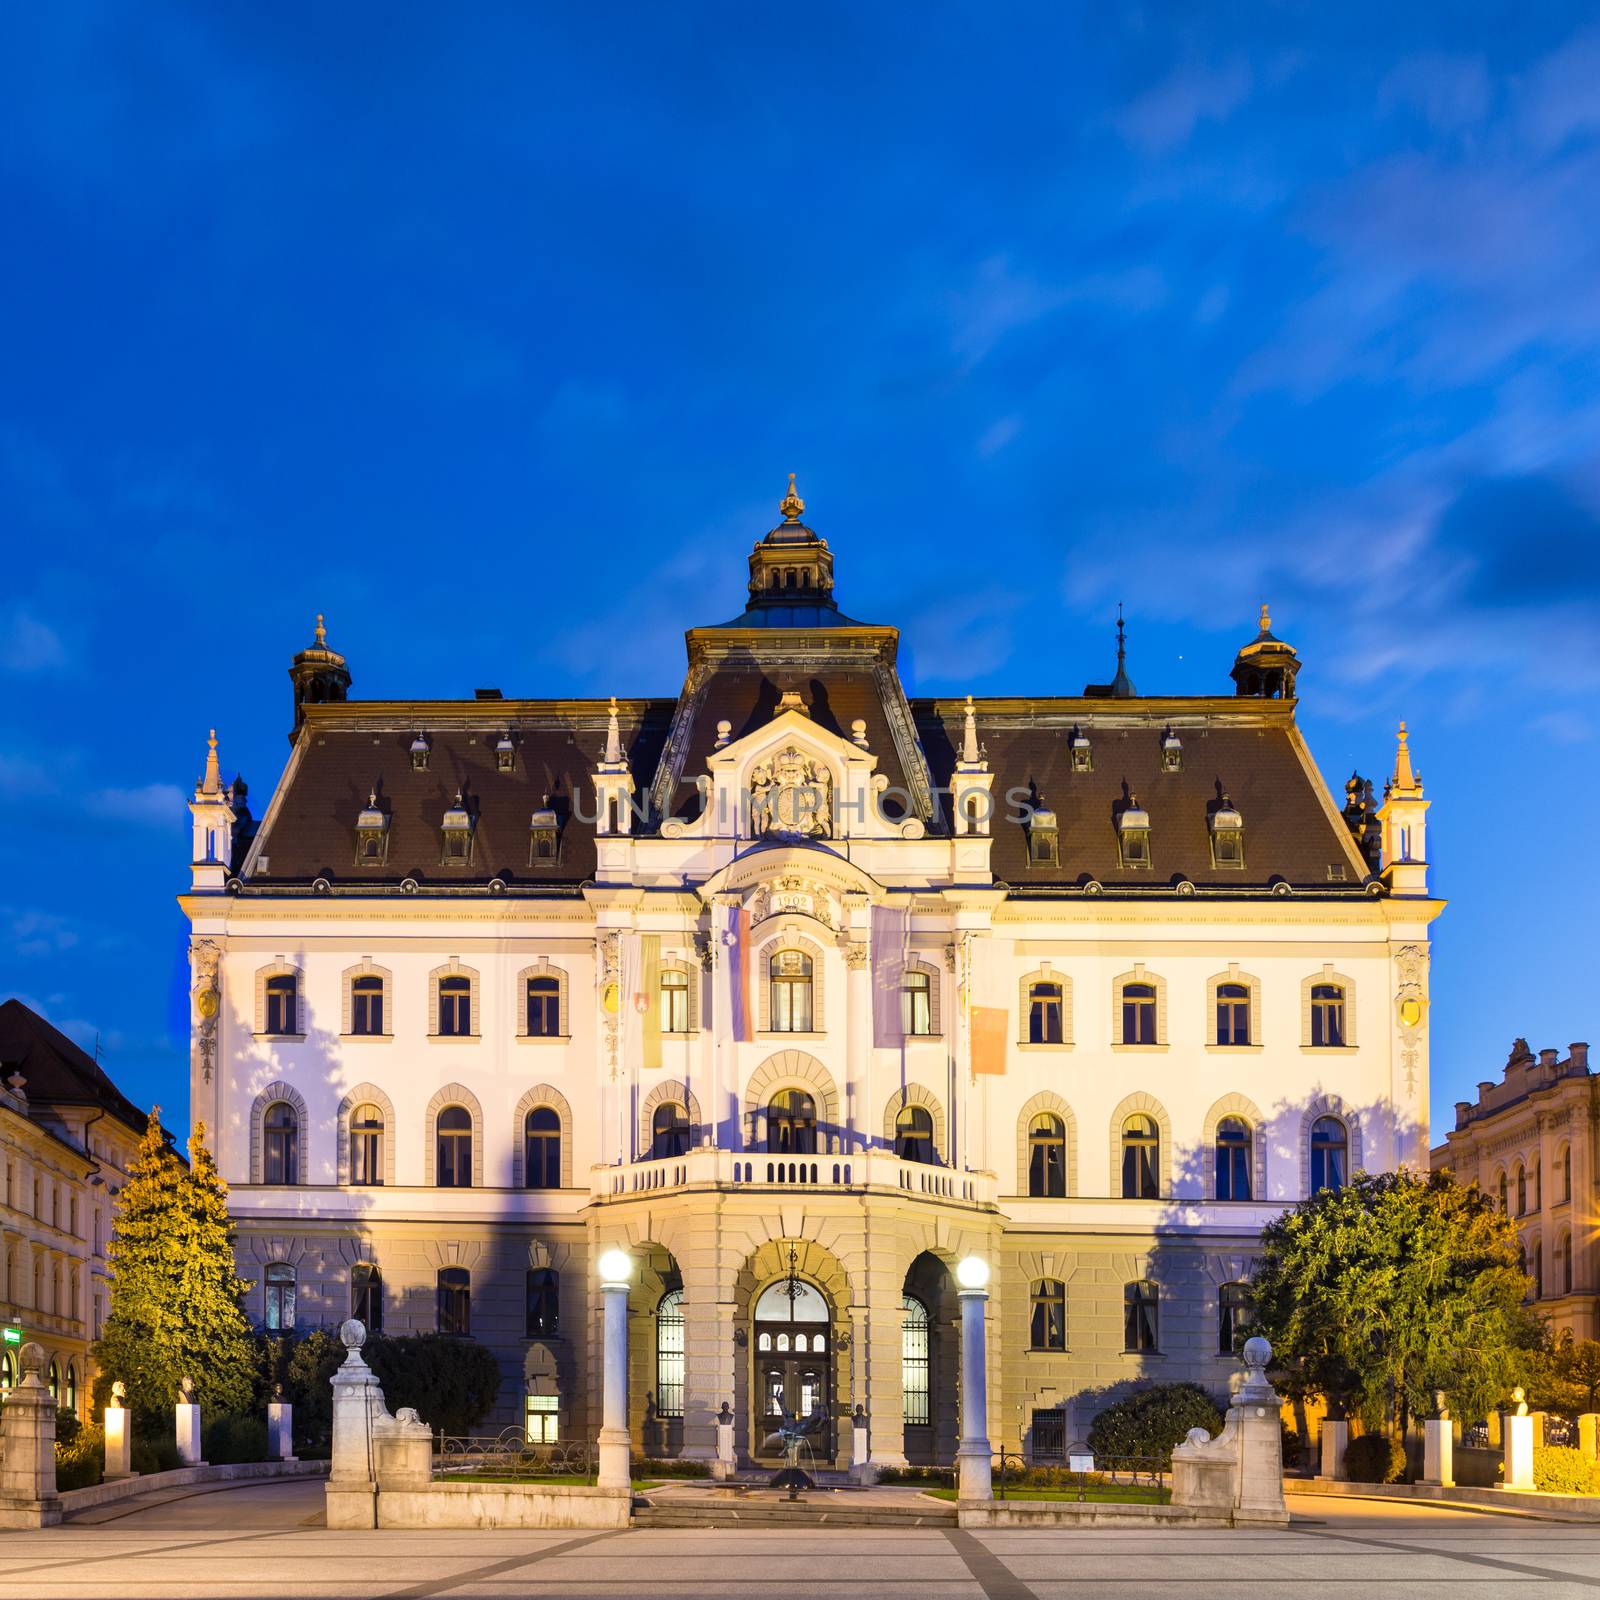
[1530, 1141]
[67, 1138]
[802, 990]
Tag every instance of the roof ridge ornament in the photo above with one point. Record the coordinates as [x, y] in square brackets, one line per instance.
[792, 506]
[212, 782]
[613, 753]
[321, 633]
[1405, 780]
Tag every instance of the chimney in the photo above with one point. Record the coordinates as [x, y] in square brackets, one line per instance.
[1463, 1113]
[1548, 1060]
[1579, 1056]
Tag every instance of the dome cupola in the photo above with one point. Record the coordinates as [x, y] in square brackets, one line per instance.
[1265, 669]
[319, 675]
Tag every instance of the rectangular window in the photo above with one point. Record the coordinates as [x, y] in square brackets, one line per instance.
[455, 1007]
[455, 1300]
[544, 1008]
[544, 1419]
[1139, 1317]
[1049, 1435]
[1045, 1014]
[280, 1017]
[674, 1002]
[366, 1006]
[1138, 1014]
[1327, 1016]
[916, 1004]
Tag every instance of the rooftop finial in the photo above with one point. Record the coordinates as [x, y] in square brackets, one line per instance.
[1404, 777]
[322, 633]
[1266, 618]
[613, 734]
[969, 737]
[792, 504]
[212, 782]
[1121, 645]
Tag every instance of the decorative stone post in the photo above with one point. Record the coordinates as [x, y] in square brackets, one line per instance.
[119, 1436]
[1335, 1441]
[722, 1467]
[28, 1449]
[280, 1426]
[974, 1459]
[1518, 1472]
[615, 1269]
[188, 1425]
[1438, 1447]
[861, 1468]
[357, 1403]
[1239, 1474]
[1589, 1435]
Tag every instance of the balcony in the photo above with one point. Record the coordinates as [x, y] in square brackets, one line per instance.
[736, 1170]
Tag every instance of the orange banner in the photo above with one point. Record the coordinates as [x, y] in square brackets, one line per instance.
[988, 1039]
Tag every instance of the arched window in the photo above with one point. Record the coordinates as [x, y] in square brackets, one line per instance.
[1047, 1157]
[790, 977]
[541, 1139]
[1233, 1013]
[1233, 1159]
[915, 1363]
[913, 1134]
[1048, 1325]
[1141, 1159]
[366, 1295]
[70, 1398]
[1504, 1205]
[792, 1124]
[366, 1005]
[1536, 1268]
[669, 1354]
[1233, 1317]
[454, 1140]
[455, 1006]
[674, 1001]
[8, 1370]
[282, 1138]
[366, 1147]
[1140, 1322]
[1565, 1192]
[1327, 1015]
[1045, 1013]
[1138, 1013]
[280, 1296]
[916, 1003]
[1329, 1148]
[454, 1300]
[1538, 1185]
[1564, 1263]
[543, 1303]
[669, 1131]
[1522, 1191]
[281, 1011]
[544, 1007]
[53, 1380]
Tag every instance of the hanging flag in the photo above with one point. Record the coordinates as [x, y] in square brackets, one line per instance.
[736, 945]
[988, 1039]
[987, 1010]
[648, 1001]
[891, 929]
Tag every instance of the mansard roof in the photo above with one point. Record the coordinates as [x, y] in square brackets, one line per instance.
[56, 1071]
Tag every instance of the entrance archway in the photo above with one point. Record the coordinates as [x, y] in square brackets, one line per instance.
[793, 1366]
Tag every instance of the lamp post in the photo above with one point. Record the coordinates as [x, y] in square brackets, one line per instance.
[975, 1471]
[615, 1270]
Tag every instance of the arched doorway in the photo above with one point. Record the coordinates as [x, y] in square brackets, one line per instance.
[930, 1349]
[793, 1366]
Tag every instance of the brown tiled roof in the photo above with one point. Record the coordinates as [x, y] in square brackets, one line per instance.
[1246, 749]
[58, 1072]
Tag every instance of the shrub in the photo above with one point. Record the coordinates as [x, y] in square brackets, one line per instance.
[1151, 1421]
[153, 1452]
[227, 1440]
[1558, 1469]
[940, 1475]
[1294, 1448]
[649, 1467]
[80, 1456]
[1375, 1458]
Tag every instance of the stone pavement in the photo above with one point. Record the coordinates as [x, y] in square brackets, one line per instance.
[265, 1542]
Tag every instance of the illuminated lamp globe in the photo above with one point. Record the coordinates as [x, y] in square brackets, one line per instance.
[615, 1266]
[973, 1273]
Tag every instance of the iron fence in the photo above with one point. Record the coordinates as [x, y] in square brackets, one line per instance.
[510, 1455]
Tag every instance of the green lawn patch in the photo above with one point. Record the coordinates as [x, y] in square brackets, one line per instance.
[1119, 1494]
[555, 1479]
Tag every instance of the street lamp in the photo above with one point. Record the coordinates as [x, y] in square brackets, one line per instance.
[973, 1273]
[616, 1267]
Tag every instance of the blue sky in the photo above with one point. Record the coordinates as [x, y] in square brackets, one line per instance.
[492, 333]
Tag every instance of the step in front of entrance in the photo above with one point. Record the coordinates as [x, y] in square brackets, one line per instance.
[760, 1511]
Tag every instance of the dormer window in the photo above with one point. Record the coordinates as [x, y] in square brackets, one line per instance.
[1133, 835]
[542, 838]
[505, 753]
[419, 752]
[1043, 849]
[1171, 752]
[1082, 756]
[1227, 836]
[372, 834]
[457, 830]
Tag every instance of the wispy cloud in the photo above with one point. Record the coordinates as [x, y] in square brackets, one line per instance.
[1166, 115]
[28, 644]
[149, 805]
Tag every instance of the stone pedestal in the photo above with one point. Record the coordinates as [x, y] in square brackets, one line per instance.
[974, 1457]
[402, 1451]
[862, 1470]
[119, 1442]
[1496, 1432]
[1335, 1441]
[723, 1466]
[188, 1431]
[1589, 1435]
[28, 1449]
[1518, 1453]
[357, 1403]
[613, 1441]
[1539, 1419]
[1438, 1452]
[1238, 1474]
[280, 1430]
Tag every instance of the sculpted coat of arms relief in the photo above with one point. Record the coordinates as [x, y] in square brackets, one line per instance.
[792, 795]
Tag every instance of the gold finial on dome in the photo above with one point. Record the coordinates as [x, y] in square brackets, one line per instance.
[322, 632]
[1266, 618]
[792, 504]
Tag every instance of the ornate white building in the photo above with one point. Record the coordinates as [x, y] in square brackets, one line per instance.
[800, 990]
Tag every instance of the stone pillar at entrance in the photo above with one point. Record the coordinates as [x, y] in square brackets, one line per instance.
[974, 1458]
[615, 1268]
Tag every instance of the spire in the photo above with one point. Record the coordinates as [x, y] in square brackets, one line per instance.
[1405, 781]
[212, 782]
[613, 752]
[321, 633]
[791, 505]
[969, 737]
[1121, 687]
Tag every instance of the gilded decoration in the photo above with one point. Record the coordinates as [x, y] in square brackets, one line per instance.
[791, 796]
[206, 955]
[1411, 1007]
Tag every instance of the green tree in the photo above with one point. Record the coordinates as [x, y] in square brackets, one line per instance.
[1377, 1294]
[175, 1309]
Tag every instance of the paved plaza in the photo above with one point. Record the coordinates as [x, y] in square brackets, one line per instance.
[265, 1542]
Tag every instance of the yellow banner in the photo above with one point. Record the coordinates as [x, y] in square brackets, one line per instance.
[650, 982]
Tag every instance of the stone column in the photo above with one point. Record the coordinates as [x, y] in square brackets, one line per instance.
[187, 1423]
[1438, 1452]
[357, 1403]
[974, 1458]
[1589, 1435]
[615, 1268]
[1335, 1441]
[1518, 1453]
[119, 1435]
[28, 1449]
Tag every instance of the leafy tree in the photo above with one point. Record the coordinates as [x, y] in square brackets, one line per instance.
[1377, 1294]
[175, 1309]
[1151, 1421]
[1566, 1378]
